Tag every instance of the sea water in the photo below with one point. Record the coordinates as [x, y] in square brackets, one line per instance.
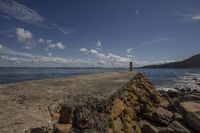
[163, 79]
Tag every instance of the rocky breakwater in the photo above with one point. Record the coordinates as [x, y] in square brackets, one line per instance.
[136, 108]
[128, 105]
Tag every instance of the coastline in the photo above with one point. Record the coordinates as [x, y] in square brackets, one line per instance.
[103, 102]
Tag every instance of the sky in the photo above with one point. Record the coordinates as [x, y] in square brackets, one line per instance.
[97, 33]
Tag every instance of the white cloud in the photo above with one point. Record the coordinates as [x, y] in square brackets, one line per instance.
[23, 35]
[98, 44]
[108, 60]
[130, 56]
[83, 50]
[20, 12]
[9, 57]
[129, 50]
[155, 41]
[49, 54]
[57, 45]
[196, 17]
[93, 51]
[49, 41]
[7, 51]
[41, 40]
[1, 46]
[64, 30]
[189, 15]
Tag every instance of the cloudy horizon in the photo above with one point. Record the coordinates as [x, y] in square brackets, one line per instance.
[97, 34]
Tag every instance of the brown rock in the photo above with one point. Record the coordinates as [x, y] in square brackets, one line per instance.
[191, 114]
[130, 112]
[164, 103]
[174, 127]
[178, 117]
[65, 115]
[147, 127]
[118, 124]
[173, 94]
[109, 130]
[191, 97]
[55, 116]
[161, 116]
[118, 107]
[62, 128]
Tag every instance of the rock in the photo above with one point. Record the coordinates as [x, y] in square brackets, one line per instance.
[118, 125]
[174, 127]
[191, 97]
[55, 116]
[117, 108]
[178, 117]
[191, 113]
[62, 128]
[109, 130]
[173, 104]
[147, 127]
[161, 116]
[164, 103]
[65, 115]
[130, 112]
[173, 94]
[128, 128]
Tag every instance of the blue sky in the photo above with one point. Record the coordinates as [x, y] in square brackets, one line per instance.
[102, 33]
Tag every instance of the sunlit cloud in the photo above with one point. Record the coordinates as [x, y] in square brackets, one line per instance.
[25, 37]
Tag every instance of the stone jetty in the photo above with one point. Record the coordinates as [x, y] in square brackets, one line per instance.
[112, 102]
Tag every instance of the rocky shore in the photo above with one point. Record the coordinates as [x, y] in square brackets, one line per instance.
[134, 107]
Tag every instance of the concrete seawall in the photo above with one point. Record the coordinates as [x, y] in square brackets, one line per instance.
[110, 102]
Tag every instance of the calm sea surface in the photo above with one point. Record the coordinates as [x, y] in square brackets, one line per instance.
[162, 78]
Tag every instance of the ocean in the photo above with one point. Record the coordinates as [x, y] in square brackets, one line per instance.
[163, 79]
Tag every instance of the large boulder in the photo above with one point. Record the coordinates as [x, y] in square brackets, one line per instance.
[191, 111]
[160, 116]
[147, 127]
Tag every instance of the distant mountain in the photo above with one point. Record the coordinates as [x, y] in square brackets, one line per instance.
[192, 62]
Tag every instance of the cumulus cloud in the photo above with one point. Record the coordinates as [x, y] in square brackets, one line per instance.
[49, 41]
[57, 45]
[1, 46]
[98, 44]
[130, 56]
[129, 50]
[108, 60]
[9, 57]
[25, 37]
[49, 54]
[41, 40]
[83, 50]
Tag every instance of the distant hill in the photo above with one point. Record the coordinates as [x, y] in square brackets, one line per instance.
[192, 62]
